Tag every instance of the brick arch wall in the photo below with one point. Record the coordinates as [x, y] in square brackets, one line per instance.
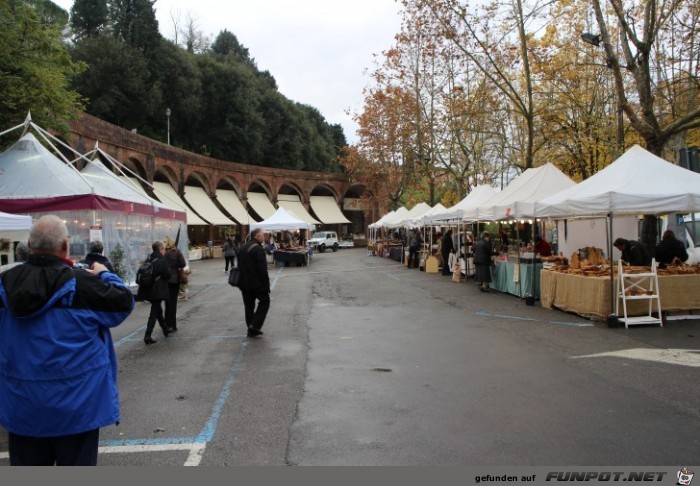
[152, 156]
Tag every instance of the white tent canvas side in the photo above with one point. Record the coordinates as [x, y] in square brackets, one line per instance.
[463, 209]
[13, 228]
[407, 219]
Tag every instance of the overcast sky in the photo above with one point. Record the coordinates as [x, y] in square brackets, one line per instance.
[317, 50]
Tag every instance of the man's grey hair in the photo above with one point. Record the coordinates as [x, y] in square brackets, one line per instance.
[96, 247]
[254, 233]
[21, 252]
[48, 234]
[157, 245]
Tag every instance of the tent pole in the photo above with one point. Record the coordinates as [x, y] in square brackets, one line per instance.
[612, 276]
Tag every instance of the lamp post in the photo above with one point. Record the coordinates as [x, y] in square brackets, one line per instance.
[167, 115]
[595, 40]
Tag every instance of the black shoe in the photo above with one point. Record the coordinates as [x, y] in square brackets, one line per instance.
[172, 329]
[485, 289]
[254, 332]
[149, 340]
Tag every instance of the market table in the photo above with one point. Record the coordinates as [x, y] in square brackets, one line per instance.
[290, 257]
[504, 279]
[590, 296]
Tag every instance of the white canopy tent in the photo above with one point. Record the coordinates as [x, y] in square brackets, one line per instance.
[428, 217]
[380, 221]
[14, 223]
[397, 215]
[282, 220]
[638, 182]
[518, 199]
[407, 219]
[471, 202]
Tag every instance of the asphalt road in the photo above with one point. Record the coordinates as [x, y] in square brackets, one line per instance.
[365, 362]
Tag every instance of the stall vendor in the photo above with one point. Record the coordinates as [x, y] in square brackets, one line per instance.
[542, 247]
[633, 253]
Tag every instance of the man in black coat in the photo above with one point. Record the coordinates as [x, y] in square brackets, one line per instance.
[446, 248]
[254, 282]
[670, 249]
[96, 255]
[157, 292]
[633, 253]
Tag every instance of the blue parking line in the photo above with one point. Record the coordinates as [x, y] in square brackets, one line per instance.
[518, 318]
[209, 429]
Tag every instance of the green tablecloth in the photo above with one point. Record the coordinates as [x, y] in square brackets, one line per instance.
[528, 281]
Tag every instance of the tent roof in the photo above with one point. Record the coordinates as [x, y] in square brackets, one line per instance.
[282, 220]
[428, 216]
[477, 196]
[636, 183]
[397, 215]
[415, 212]
[380, 221]
[518, 199]
[15, 222]
[30, 171]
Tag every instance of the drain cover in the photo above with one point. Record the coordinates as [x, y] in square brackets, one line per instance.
[382, 370]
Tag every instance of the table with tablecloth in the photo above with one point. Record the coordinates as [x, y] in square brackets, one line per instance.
[590, 296]
[520, 279]
[289, 258]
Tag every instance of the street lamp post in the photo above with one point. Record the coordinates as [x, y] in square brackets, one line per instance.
[595, 40]
[167, 115]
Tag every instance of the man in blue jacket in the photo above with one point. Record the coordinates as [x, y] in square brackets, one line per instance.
[58, 367]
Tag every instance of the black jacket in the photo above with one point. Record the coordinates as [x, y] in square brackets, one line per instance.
[636, 255]
[669, 249]
[161, 273]
[91, 258]
[252, 263]
[447, 245]
[483, 251]
[176, 261]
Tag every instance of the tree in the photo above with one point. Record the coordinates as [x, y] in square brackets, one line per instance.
[88, 18]
[134, 22]
[35, 69]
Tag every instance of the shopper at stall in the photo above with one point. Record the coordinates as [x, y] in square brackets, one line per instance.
[670, 249]
[483, 251]
[153, 287]
[96, 254]
[414, 250]
[633, 252]
[542, 247]
[446, 248]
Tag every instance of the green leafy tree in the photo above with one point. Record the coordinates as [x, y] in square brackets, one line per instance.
[35, 67]
[88, 18]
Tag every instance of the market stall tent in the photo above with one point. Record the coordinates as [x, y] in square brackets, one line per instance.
[407, 219]
[282, 220]
[466, 206]
[37, 182]
[13, 228]
[638, 182]
[518, 199]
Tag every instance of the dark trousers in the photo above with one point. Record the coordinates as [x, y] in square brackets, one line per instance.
[413, 258]
[66, 450]
[229, 261]
[171, 305]
[255, 317]
[156, 315]
[446, 264]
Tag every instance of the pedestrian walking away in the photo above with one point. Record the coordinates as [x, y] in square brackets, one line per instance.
[176, 264]
[254, 282]
[154, 290]
[446, 248]
[229, 250]
[58, 367]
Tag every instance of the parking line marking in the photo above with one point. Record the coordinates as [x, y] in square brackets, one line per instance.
[530, 319]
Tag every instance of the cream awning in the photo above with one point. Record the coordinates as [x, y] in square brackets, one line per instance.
[200, 201]
[292, 203]
[327, 210]
[167, 195]
[229, 200]
[261, 204]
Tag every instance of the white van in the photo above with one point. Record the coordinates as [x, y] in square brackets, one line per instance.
[322, 240]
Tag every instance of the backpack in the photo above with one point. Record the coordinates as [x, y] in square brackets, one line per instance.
[144, 275]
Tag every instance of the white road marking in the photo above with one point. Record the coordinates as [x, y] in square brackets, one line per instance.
[681, 357]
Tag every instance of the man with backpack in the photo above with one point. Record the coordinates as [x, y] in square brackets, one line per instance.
[152, 279]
